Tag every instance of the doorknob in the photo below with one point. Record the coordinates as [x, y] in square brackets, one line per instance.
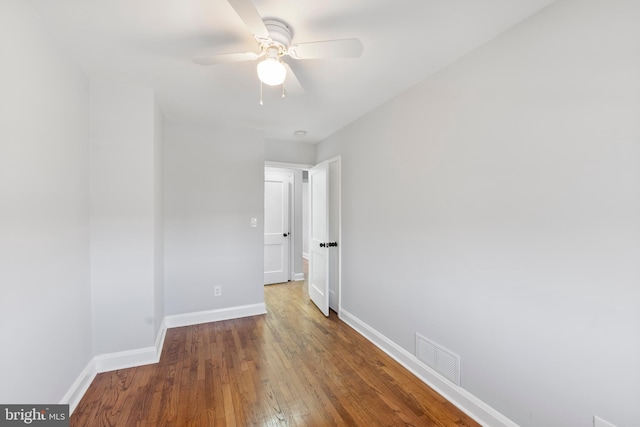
[328, 245]
[285, 234]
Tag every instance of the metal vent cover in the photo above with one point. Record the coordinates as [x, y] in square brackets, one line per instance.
[438, 358]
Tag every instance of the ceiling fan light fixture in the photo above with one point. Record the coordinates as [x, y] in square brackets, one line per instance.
[271, 71]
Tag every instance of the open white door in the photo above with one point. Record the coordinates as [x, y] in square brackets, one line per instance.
[333, 199]
[319, 233]
[276, 228]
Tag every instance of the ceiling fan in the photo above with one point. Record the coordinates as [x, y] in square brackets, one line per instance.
[274, 41]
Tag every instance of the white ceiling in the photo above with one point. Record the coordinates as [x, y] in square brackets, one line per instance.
[150, 43]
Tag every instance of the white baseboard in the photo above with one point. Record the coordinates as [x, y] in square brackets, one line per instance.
[148, 355]
[188, 319]
[162, 333]
[125, 359]
[461, 398]
[131, 358]
[111, 362]
[79, 386]
[298, 276]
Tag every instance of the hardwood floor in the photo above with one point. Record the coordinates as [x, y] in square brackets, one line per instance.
[291, 367]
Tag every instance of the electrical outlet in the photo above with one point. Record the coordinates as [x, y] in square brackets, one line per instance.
[217, 291]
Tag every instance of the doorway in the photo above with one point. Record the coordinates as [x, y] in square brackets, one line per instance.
[299, 223]
[283, 214]
[277, 227]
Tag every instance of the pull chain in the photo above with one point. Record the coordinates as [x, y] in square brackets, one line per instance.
[261, 103]
[284, 94]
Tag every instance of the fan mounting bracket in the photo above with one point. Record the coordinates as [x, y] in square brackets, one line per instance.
[280, 36]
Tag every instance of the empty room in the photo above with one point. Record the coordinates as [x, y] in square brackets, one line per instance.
[303, 213]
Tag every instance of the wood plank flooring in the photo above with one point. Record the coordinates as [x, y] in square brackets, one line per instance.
[291, 367]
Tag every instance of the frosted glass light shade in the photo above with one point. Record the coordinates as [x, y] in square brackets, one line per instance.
[271, 72]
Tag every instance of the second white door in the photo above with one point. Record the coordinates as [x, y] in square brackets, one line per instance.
[276, 228]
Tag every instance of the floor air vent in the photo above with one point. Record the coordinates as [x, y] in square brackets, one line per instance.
[441, 360]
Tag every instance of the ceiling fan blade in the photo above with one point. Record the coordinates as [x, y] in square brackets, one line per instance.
[291, 83]
[345, 48]
[252, 19]
[225, 58]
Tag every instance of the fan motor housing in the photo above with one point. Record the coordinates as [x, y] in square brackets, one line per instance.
[280, 32]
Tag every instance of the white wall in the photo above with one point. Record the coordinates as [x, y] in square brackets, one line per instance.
[124, 216]
[45, 307]
[289, 152]
[506, 191]
[214, 185]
